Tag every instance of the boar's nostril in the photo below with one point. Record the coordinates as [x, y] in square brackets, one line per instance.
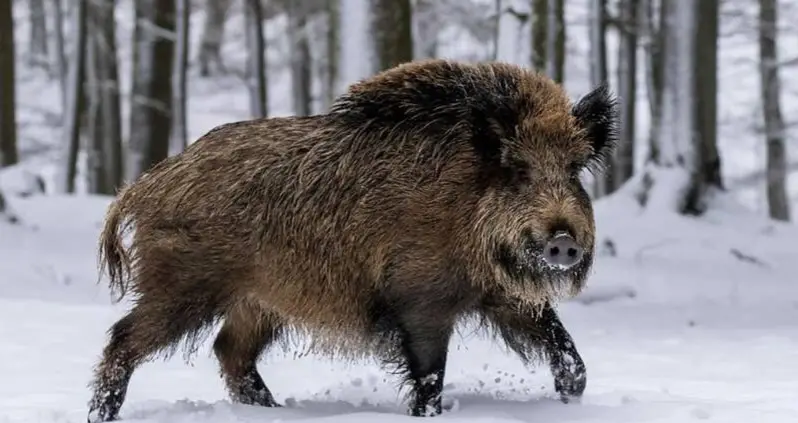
[563, 251]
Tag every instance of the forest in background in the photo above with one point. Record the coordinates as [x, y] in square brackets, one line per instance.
[117, 121]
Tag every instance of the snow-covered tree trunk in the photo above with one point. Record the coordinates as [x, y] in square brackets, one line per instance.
[538, 24]
[623, 160]
[60, 53]
[555, 40]
[8, 121]
[706, 166]
[151, 94]
[256, 60]
[75, 99]
[392, 28]
[299, 52]
[179, 139]
[683, 168]
[776, 165]
[513, 33]
[210, 49]
[38, 33]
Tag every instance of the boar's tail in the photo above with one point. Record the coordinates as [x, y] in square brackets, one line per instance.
[113, 257]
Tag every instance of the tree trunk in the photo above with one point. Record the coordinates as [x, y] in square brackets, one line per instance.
[60, 53]
[706, 172]
[555, 40]
[8, 122]
[299, 48]
[151, 94]
[210, 48]
[179, 139]
[75, 99]
[539, 25]
[598, 63]
[256, 60]
[623, 161]
[357, 59]
[333, 49]
[511, 44]
[38, 33]
[105, 63]
[392, 22]
[776, 165]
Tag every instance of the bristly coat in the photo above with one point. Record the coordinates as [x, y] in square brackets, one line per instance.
[429, 192]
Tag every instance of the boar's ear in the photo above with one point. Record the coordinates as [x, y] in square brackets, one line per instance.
[597, 114]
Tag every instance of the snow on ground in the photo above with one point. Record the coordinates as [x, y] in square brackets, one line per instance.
[693, 319]
[709, 334]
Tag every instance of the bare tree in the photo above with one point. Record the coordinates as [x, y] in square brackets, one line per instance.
[683, 168]
[776, 165]
[538, 24]
[623, 161]
[598, 61]
[60, 53]
[8, 121]
[104, 126]
[151, 94]
[256, 60]
[333, 51]
[179, 139]
[210, 49]
[299, 48]
[38, 33]
[392, 26]
[75, 99]
[555, 40]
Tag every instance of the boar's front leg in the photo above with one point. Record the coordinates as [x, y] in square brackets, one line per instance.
[527, 332]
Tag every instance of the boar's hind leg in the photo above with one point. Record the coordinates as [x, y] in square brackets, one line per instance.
[525, 333]
[150, 327]
[246, 333]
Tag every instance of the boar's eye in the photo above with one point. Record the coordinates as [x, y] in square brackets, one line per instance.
[597, 114]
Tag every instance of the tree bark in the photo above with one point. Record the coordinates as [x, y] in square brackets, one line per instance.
[555, 40]
[392, 22]
[706, 172]
[598, 64]
[776, 164]
[151, 94]
[299, 48]
[8, 121]
[512, 45]
[179, 139]
[75, 99]
[256, 60]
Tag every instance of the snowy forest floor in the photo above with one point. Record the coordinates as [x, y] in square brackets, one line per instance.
[709, 333]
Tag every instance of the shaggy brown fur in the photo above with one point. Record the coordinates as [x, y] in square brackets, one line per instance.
[427, 194]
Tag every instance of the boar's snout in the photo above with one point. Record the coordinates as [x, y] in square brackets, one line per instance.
[562, 251]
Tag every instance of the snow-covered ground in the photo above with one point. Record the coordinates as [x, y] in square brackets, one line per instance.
[711, 333]
[692, 319]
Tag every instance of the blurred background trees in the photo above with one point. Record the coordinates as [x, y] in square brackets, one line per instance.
[127, 73]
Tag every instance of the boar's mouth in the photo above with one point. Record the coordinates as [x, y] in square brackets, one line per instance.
[525, 265]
